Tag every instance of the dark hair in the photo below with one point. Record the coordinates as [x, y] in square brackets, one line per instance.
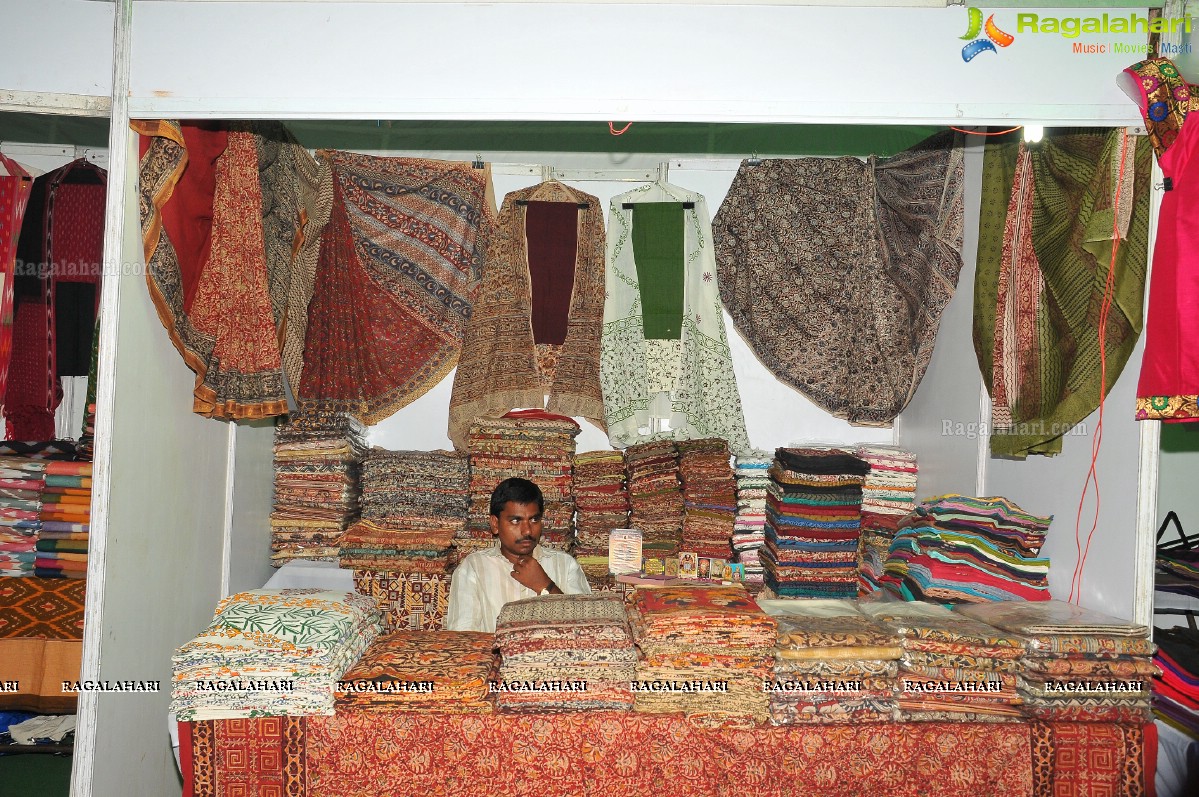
[517, 490]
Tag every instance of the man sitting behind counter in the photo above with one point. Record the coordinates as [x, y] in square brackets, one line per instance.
[515, 568]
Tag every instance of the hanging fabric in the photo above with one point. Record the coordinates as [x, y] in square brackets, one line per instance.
[1045, 248]
[220, 206]
[297, 198]
[56, 294]
[836, 270]
[657, 364]
[1168, 389]
[400, 261]
[15, 187]
[535, 329]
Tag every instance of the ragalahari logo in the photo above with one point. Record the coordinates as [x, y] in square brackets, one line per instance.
[994, 36]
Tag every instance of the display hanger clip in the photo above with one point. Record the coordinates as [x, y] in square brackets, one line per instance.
[753, 160]
[477, 163]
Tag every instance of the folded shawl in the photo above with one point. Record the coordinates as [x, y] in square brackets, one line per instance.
[504, 365]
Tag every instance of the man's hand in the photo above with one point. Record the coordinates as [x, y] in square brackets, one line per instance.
[529, 572]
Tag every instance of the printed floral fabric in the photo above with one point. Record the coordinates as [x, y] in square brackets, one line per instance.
[602, 753]
[844, 631]
[687, 382]
[836, 271]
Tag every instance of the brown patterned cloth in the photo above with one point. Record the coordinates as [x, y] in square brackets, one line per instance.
[839, 289]
[428, 671]
[397, 276]
[503, 366]
[51, 608]
[407, 601]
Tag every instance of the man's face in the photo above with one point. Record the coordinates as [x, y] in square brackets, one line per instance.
[518, 528]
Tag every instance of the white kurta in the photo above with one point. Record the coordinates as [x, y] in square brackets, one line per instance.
[483, 583]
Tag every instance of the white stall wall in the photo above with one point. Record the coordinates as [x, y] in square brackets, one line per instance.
[578, 61]
[57, 47]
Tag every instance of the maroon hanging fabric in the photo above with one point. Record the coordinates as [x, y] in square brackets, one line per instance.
[15, 187]
[552, 232]
[61, 239]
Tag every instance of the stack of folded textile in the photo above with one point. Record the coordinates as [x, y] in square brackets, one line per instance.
[960, 549]
[601, 504]
[1176, 691]
[413, 506]
[565, 653]
[272, 652]
[655, 494]
[535, 445]
[749, 526]
[317, 456]
[833, 664]
[704, 650]
[709, 497]
[87, 440]
[888, 495]
[21, 484]
[1081, 665]
[434, 672]
[813, 512]
[953, 668]
[65, 517]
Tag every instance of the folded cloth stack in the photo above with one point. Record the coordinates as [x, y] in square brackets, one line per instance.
[433, 672]
[959, 549]
[272, 652]
[413, 507]
[749, 525]
[22, 482]
[65, 518]
[813, 513]
[709, 497]
[655, 493]
[1081, 665]
[317, 458]
[87, 440]
[565, 653]
[601, 504]
[888, 494]
[954, 668]
[408, 601]
[833, 664]
[535, 445]
[703, 650]
[1176, 690]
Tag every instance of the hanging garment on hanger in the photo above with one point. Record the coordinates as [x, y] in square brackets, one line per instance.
[665, 354]
[399, 269]
[535, 328]
[56, 294]
[1168, 389]
[15, 188]
[836, 270]
[209, 275]
[1044, 252]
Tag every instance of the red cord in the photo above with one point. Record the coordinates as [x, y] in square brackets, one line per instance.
[997, 133]
[1104, 310]
[612, 129]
